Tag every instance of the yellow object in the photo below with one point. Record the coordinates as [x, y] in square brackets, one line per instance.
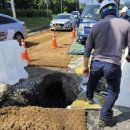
[81, 103]
[79, 69]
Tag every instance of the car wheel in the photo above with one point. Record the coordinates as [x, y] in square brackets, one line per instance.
[18, 37]
[71, 28]
[82, 42]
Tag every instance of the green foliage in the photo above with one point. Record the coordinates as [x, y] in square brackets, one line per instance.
[7, 12]
[35, 22]
[54, 5]
[29, 12]
[82, 5]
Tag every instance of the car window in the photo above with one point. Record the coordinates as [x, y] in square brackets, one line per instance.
[72, 17]
[91, 12]
[4, 20]
[74, 13]
[62, 17]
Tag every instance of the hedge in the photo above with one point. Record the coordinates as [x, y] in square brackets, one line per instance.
[28, 12]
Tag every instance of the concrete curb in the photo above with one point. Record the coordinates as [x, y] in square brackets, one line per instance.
[38, 29]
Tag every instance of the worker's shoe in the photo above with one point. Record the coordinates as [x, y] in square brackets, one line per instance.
[110, 122]
[89, 100]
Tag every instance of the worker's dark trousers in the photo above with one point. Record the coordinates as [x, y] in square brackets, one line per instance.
[112, 74]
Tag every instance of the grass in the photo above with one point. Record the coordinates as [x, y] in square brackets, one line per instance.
[35, 22]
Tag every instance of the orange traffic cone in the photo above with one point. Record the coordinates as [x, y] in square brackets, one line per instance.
[25, 54]
[73, 33]
[54, 42]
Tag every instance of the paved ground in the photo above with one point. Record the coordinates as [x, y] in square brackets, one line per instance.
[121, 114]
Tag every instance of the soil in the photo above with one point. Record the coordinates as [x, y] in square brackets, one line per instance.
[37, 118]
[41, 52]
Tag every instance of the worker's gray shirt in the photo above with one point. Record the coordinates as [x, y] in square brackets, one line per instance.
[108, 38]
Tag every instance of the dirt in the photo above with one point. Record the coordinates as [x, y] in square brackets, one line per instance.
[37, 118]
[41, 52]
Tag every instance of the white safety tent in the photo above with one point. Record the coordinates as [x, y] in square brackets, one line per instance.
[11, 62]
[10, 34]
[124, 96]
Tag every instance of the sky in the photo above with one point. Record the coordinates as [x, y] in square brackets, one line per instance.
[83, 1]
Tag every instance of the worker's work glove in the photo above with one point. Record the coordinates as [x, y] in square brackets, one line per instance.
[86, 71]
[128, 58]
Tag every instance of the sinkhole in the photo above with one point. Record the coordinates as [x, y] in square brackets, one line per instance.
[52, 92]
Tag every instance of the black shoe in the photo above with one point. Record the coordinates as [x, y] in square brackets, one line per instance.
[110, 122]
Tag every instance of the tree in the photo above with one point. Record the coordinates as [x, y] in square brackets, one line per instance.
[40, 3]
[54, 5]
[3, 3]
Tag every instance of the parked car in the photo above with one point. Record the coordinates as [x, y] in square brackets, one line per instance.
[63, 21]
[88, 18]
[76, 14]
[7, 23]
[129, 11]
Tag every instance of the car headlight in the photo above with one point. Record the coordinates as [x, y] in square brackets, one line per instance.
[91, 25]
[81, 28]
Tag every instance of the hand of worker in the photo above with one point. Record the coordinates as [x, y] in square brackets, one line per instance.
[86, 71]
[128, 58]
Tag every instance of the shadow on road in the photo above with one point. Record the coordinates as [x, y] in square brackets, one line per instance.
[30, 44]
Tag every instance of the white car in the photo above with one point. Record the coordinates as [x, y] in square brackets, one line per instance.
[76, 14]
[63, 21]
[8, 23]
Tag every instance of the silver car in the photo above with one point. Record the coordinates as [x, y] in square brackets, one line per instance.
[76, 14]
[64, 21]
[9, 23]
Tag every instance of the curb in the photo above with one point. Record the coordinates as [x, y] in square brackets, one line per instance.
[38, 29]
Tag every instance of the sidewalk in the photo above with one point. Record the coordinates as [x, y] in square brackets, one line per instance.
[122, 115]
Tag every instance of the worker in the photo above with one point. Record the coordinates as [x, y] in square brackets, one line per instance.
[124, 13]
[107, 39]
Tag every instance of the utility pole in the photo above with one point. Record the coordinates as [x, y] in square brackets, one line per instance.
[13, 8]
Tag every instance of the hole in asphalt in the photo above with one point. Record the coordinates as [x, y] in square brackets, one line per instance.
[49, 93]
